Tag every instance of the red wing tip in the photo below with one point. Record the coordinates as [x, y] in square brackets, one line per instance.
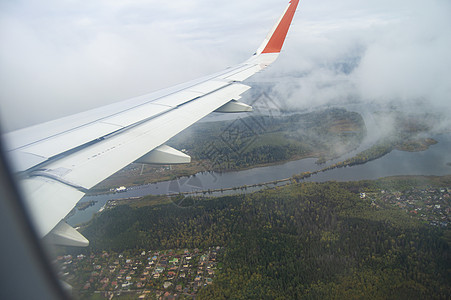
[277, 39]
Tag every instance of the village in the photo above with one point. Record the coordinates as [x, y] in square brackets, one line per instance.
[431, 205]
[142, 274]
[181, 273]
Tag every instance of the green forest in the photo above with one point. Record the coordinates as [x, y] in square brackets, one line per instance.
[255, 140]
[301, 241]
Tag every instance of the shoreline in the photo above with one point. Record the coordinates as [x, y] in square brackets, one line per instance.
[297, 177]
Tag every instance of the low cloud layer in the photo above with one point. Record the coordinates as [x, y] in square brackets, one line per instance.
[377, 51]
[61, 57]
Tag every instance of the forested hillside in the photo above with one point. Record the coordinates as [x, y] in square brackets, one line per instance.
[312, 241]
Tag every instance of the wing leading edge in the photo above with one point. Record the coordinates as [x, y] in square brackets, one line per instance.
[58, 161]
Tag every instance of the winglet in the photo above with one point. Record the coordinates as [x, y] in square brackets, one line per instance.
[275, 39]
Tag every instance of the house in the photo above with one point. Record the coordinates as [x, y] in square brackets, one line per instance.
[164, 262]
[121, 189]
[105, 280]
[167, 284]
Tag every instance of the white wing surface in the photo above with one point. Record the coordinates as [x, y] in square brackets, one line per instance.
[58, 161]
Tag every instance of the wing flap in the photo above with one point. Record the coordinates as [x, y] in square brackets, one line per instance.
[48, 201]
[70, 140]
[65, 235]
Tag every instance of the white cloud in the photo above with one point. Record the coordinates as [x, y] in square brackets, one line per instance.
[58, 57]
[372, 51]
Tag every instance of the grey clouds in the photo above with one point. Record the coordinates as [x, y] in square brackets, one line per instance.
[61, 57]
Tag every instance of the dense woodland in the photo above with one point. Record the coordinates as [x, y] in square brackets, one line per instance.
[309, 241]
[255, 140]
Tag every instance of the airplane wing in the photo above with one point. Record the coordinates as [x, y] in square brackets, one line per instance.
[59, 161]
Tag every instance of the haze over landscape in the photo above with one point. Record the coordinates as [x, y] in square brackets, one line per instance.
[58, 58]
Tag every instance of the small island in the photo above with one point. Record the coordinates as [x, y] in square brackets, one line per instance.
[416, 145]
[85, 205]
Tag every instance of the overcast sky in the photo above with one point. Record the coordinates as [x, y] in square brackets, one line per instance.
[64, 56]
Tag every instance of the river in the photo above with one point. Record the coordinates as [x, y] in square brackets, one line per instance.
[430, 162]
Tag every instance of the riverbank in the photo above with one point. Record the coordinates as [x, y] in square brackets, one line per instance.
[284, 139]
[375, 152]
[323, 135]
[430, 162]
